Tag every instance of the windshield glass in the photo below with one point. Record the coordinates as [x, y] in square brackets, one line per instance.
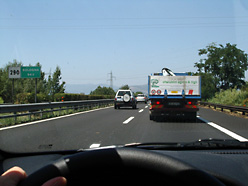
[62, 63]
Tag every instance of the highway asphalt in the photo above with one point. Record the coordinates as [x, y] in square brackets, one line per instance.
[107, 126]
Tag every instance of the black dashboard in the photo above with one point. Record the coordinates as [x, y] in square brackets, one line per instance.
[228, 166]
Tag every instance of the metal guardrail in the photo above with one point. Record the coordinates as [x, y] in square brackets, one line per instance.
[18, 110]
[227, 107]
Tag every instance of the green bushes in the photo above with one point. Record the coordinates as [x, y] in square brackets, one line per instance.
[76, 97]
[245, 102]
[42, 98]
[231, 97]
[23, 98]
[1, 100]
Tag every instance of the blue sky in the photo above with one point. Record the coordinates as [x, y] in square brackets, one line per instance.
[132, 38]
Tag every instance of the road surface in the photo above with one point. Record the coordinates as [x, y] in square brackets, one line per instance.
[107, 126]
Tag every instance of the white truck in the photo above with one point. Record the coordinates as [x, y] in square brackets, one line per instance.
[173, 95]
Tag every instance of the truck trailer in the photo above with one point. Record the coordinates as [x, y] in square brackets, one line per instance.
[173, 95]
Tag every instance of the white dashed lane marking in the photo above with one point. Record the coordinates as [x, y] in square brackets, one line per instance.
[131, 118]
[95, 145]
[128, 120]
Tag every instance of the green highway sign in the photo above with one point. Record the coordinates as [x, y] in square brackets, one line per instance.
[24, 72]
[30, 72]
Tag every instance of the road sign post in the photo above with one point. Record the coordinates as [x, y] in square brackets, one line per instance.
[24, 72]
[14, 72]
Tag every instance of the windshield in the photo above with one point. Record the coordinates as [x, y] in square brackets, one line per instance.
[62, 63]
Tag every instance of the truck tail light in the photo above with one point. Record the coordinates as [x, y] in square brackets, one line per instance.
[156, 105]
[191, 104]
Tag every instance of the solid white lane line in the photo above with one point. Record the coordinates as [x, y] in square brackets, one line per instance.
[224, 130]
[228, 132]
[95, 145]
[141, 110]
[128, 120]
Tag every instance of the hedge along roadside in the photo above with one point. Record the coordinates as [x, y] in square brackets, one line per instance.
[24, 98]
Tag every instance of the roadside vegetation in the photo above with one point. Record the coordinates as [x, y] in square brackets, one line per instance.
[24, 89]
[222, 70]
[49, 89]
[232, 97]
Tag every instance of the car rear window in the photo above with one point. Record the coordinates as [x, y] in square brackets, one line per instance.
[122, 93]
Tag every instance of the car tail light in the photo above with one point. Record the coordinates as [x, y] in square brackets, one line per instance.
[157, 102]
[115, 99]
[189, 103]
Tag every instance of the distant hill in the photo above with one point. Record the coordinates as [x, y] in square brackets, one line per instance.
[87, 88]
[139, 88]
[82, 88]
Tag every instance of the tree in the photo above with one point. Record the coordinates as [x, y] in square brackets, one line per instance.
[208, 87]
[125, 87]
[20, 85]
[54, 84]
[103, 91]
[27, 86]
[6, 83]
[245, 87]
[226, 64]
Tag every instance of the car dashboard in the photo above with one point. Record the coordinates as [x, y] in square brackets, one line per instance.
[229, 166]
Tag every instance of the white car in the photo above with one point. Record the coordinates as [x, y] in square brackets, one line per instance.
[141, 98]
[125, 98]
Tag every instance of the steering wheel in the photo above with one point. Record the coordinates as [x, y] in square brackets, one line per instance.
[119, 158]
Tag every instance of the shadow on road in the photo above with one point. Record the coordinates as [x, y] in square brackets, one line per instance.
[177, 120]
[127, 108]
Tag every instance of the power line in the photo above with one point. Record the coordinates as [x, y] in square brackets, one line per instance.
[120, 18]
[111, 79]
[134, 26]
